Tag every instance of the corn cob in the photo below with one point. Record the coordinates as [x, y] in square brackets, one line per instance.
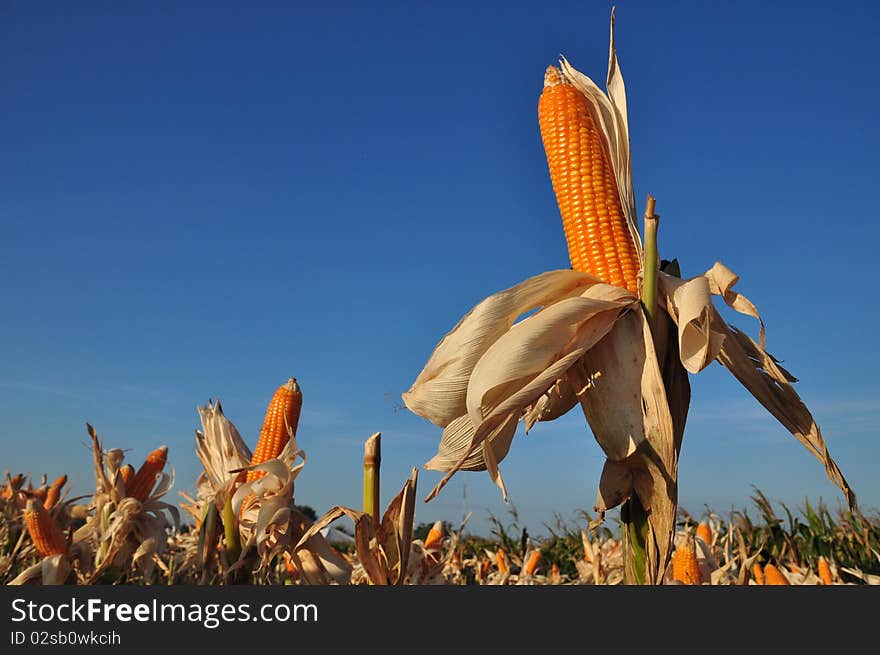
[532, 563]
[773, 576]
[758, 574]
[684, 565]
[501, 561]
[290, 567]
[40, 493]
[145, 478]
[704, 532]
[283, 412]
[434, 540]
[596, 229]
[12, 485]
[54, 492]
[127, 475]
[825, 571]
[44, 533]
[555, 576]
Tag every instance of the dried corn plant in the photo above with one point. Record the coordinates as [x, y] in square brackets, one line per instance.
[251, 496]
[615, 335]
[383, 547]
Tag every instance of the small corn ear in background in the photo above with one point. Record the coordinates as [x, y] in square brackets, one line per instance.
[54, 492]
[501, 561]
[145, 478]
[127, 474]
[758, 574]
[40, 493]
[532, 563]
[684, 565]
[773, 576]
[704, 532]
[434, 540]
[283, 412]
[825, 571]
[44, 532]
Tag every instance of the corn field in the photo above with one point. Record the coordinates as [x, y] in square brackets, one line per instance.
[125, 533]
[618, 335]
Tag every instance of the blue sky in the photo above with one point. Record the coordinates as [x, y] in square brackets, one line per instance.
[200, 202]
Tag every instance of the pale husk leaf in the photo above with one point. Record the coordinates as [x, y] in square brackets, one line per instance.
[529, 349]
[219, 445]
[396, 529]
[524, 363]
[557, 401]
[439, 391]
[456, 441]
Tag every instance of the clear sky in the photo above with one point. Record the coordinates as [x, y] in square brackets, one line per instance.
[202, 200]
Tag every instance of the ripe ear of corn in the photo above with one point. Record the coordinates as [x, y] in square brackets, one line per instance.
[290, 567]
[145, 478]
[45, 534]
[501, 561]
[684, 565]
[825, 571]
[127, 475]
[12, 485]
[596, 229]
[435, 536]
[758, 574]
[704, 532]
[40, 493]
[54, 492]
[532, 563]
[773, 576]
[283, 411]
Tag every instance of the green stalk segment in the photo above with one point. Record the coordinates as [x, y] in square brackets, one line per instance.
[372, 462]
[632, 514]
[230, 531]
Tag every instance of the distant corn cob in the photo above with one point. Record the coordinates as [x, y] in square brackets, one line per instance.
[501, 561]
[434, 540]
[532, 563]
[704, 532]
[596, 229]
[283, 411]
[290, 567]
[40, 493]
[54, 492]
[825, 571]
[758, 574]
[555, 576]
[45, 534]
[773, 576]
[145, 478]
[126, 473]
[12, 485]
[684, 565]
[484, 568]
[456, 560]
